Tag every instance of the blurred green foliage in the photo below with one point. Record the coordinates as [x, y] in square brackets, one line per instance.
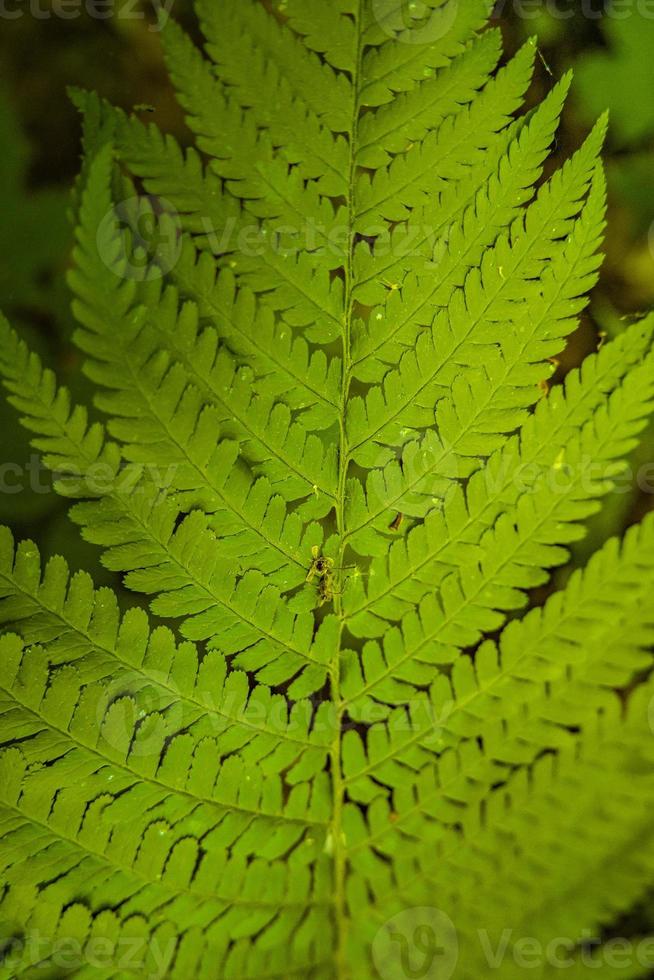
[34, 239]
[622, 78]
[34, 232]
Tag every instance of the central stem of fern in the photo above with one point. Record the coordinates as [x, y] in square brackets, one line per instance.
[338, 840]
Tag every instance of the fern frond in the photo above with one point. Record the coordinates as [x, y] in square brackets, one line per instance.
[79, 626]
[459, 142]
[550, 669]
[288, 368]
[400, 64]
[72, 447]
[124, 700]
[176, 558]
[159, 381]
[243, 43]
[236, 147]
[336, 462]
[463, 336]
[406, 120]
[513, 554]
[170, 173]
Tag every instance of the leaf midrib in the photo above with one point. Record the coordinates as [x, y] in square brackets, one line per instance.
[340, 851]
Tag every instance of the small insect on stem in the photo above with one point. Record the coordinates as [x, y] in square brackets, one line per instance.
[323, 569]
[396, 523]
[326, 589]
[320, 566]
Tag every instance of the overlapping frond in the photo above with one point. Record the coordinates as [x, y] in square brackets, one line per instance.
[333, 458]
[145, 744]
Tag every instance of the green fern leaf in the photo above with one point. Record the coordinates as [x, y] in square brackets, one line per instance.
[333, 459]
